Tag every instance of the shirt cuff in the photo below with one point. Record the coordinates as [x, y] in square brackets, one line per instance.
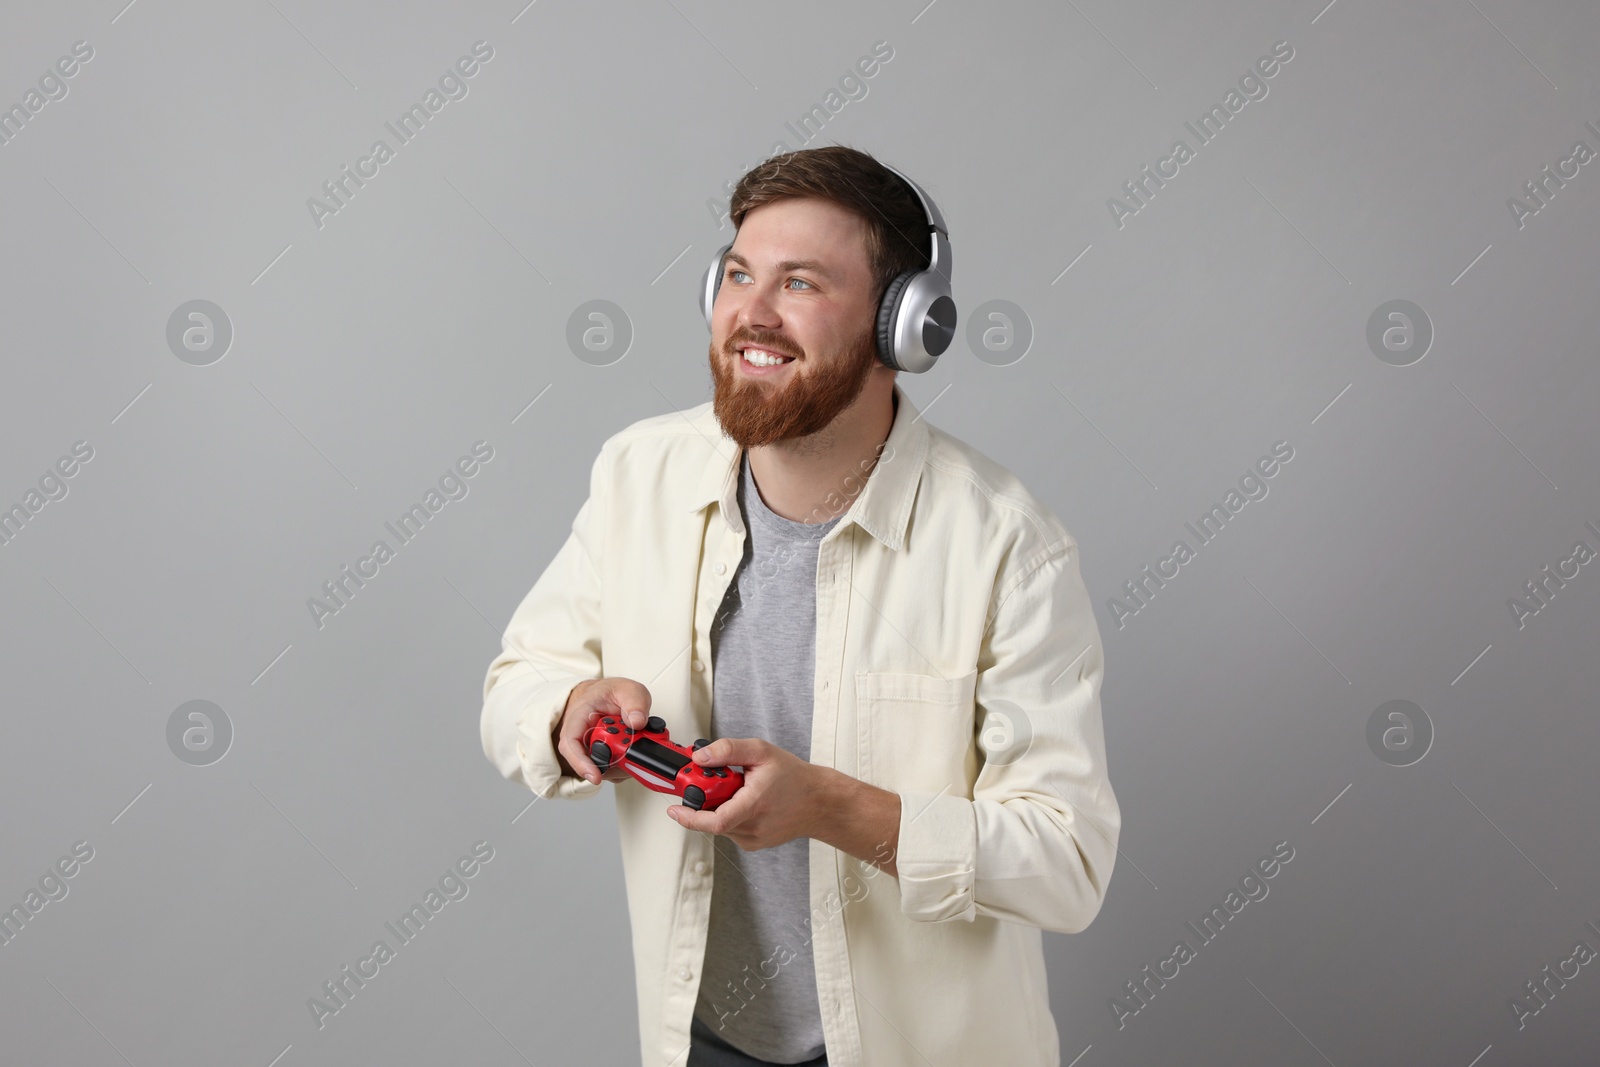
[541, 769]
[936, 859]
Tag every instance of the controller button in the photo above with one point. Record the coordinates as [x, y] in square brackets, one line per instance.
[694, 797]
[656, 725]
[600, 753]
[611, 729]
[700, 743]
[608, 721]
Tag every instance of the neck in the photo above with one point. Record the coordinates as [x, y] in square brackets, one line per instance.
[816, 478]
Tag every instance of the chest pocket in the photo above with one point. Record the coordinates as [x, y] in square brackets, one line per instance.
[915, 731]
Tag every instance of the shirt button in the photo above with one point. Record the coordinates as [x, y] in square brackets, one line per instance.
[683, 973]
[700, 867]
[722, 568]
[699, 665]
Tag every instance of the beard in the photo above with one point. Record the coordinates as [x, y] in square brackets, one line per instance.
[754, 412]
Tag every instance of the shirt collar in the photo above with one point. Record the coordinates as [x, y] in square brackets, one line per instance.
[882, 509]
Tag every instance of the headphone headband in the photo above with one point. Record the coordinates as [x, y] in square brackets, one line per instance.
[939, 258]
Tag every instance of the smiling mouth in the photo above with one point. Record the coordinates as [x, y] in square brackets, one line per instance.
[764, 357]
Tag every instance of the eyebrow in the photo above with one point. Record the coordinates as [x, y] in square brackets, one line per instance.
[788, 265]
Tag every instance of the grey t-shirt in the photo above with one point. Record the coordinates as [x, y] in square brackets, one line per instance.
[758, 989]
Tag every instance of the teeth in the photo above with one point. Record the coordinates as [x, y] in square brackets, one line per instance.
[764, 359]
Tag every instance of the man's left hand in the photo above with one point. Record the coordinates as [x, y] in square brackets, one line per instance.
[777, 803]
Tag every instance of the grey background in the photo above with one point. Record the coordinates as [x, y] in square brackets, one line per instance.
[429, 313]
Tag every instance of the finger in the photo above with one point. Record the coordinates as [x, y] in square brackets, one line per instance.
[577, 721]
[710, 822]
[602, 705]
[573, 727]
[572, 748]
[583, 767]
[735, 751]
[727, 818]
[711, 755]
[630, 699]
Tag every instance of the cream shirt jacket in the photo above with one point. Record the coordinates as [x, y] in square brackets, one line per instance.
[958, 664]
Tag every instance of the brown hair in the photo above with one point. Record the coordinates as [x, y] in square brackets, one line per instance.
[897, 227]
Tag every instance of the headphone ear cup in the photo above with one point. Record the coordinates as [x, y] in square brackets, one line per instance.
[886, 316]
[711, 283]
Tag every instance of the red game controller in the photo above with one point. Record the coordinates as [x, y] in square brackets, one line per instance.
[660, 763]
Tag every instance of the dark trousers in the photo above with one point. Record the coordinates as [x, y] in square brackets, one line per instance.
[706, 1049]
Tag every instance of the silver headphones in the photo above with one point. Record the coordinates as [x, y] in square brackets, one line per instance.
[916, 317]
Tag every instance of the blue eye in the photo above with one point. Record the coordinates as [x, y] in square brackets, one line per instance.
[734, 273]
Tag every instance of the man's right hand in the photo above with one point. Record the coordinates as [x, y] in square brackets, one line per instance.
[589, 700]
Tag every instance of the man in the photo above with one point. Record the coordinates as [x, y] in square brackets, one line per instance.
[806, 570]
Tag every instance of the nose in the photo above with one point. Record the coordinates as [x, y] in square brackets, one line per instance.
[757, 311]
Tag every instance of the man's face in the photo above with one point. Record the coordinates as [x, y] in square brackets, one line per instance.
[796, 282]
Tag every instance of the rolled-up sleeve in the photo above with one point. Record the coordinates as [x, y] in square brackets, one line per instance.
[550, 645]
[1037, 840]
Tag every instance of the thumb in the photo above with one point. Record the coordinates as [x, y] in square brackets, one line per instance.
[738, 751]
[629, 698]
